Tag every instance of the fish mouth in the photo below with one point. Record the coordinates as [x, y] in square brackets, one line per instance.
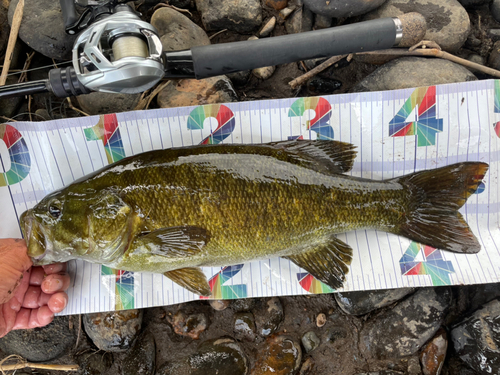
[34, 236]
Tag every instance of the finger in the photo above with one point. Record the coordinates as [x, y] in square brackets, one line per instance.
[55, 283]
[37, 275]
[33, 320]
[15, 262]
[22, 319]
[44, 316]
[58, 302]
[31, 297]
[44, 298]
[55, 268]
[7, 319]
[18, 299]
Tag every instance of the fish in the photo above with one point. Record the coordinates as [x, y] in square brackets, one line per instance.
[176, 210]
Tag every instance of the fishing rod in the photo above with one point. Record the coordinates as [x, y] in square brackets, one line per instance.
[117, 52]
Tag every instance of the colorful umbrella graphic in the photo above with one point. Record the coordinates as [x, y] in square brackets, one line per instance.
[107, 130]
[426, 125]
[496, 125]
[221, 291]
[432, 264]
[309, 283]
[320, 123]
[20, 161]
[223, 115]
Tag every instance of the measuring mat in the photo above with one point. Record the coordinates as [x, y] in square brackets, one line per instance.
[396, 133]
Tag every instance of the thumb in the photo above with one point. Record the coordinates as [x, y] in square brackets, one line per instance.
[15, 261]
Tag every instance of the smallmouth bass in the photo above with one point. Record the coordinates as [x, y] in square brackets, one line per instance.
[176, 210]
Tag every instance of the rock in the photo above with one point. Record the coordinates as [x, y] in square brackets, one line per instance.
[244, 326]
[4, 31]
[285, 13]
[191, 325]
[322, 86]
[307, 367]
[180, 3]
[41, 344]
[240, 78]
[186, 92]
[414, 366]
[243, 304]
[113, 331]
[433, 354]
[494, 57]
[100, 103]
[476, 59]
[494, 34]
[473, 3]
[321, 320]
[264, 73]
[360, 303]
[495, 10]
[340, 8]
[281, 356]
[410, 72]
[299, 21]
[177, 32]
[448, 23]
[383, 372]
[42, 28]
[310, 341]
[236, 15]
[322, 22]
[214, 357]
[42, 115]
[402, 330]
[268, 27]
[95, 363]
[140, 360]
[477, 339]
[269, 316]
[219, 304]
[276, 4]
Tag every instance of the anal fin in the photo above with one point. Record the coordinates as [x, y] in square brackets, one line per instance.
[327, 261]
[192, 278]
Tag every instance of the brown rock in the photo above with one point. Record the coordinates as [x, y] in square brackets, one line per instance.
[282, 356]
[277, 4]
[433, 354]
[189, 326]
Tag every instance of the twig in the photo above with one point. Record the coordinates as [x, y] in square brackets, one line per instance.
[24, 75]
[299, 81]
[217, 33]
[14, 31]
[9, 119]
[29, 107]
[304, 66]
[76, 109]
[162, 5]
[146, 100]
[54, 62]
[79, 331]
[22, 363]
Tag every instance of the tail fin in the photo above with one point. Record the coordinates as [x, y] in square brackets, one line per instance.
[436, 195]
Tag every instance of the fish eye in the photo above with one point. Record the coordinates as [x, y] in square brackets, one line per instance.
[55, 209]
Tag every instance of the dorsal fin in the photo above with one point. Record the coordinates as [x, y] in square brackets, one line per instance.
[332, 157]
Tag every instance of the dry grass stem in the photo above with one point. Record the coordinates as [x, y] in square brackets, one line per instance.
[163, 5]
[299, 81]
[14, 31]
[217, 33]
[146, 99]
[24, 75]
[70, 105]
[20, 363]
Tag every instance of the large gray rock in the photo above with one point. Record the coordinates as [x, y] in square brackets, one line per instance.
[41, 344]
[268, 316]
[477, 339]
[448, 23]
[410, 72]
[403, 330]
[100, 103]
[140, 360]
[360, 303]
[236, 15]
[177, 32]
[42, 28]
[342, 8]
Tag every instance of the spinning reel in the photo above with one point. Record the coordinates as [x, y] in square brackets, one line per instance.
[115, 51]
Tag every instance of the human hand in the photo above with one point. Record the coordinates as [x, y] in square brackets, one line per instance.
[29, 296]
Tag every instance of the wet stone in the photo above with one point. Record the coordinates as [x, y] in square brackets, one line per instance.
[322, 22]
[360, 303]
[114, 331]
[176, 31]
[219, 304]
[236, 15]
[42, 28]
[301, 20]
[269, 316]
[214, 357]
[188, 92]
[244, 326]
[495, 10]
[281, 356]
[189, 325]
[310, 341]
[424, 72]
[433, 354]
[494, 57]
[448, 23]
[276, 4]
[243, 304]
[41, 344]
[100, 103]
[321, 320]
[414, 366]
[96, 363]
[477, 339]
[268, 27]
[341, 8]
[140, 360]
[404, 329]
[322, 86]
[307, 367]
[240, 78]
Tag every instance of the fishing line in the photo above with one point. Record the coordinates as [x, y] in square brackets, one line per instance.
[41, 67]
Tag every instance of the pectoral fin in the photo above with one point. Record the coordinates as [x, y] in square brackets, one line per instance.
[326, 261]
[193, 279]
[174, 242]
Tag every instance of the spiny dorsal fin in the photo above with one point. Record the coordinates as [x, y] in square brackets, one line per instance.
[326, 261]
[192, 278]
[332, 157]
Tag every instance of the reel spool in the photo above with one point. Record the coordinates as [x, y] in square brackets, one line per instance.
[120, 53]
